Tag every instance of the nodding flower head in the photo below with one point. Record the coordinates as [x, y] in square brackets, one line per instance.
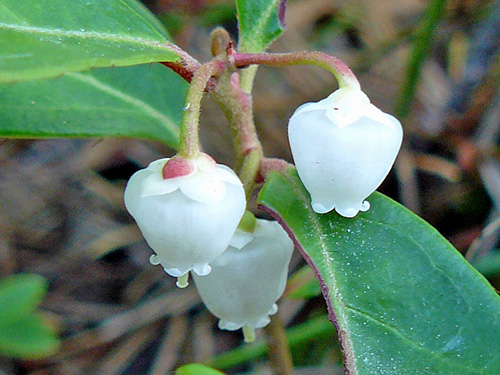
[247, 280]
[343, 147]
[187, 210]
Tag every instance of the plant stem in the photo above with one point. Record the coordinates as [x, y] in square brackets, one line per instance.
[249, 171]
[237, 106]
[279, 353]
[186, 66]
[247, 78]
[268, 165]
[341, 71]
[189, 142]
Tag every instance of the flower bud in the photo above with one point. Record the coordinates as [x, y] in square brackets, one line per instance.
[187, 210]
[343, 147]
[248, 278]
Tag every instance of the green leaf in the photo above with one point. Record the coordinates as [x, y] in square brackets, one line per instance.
[20, 295]
[260, 22]
[196, 369]
[28, 338]
[47, 38]
[141, 101]
[403, 299]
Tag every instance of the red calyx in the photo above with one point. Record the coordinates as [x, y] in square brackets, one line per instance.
[177, 167]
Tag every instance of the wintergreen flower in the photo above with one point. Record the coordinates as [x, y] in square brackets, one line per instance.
[248, 278]
[343, 147]
[187, 210]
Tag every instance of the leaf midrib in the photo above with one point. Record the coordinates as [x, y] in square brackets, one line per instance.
[84, 35]
[331, 273]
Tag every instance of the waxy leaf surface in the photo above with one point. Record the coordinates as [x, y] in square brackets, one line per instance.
[47, 38]
[143, 101]
[403, 299]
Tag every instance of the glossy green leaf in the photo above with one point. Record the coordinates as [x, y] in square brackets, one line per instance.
[20, 295]
[47, 38]
[28, 338]
[143, 101]
[403, 299]
[260, 22]
[197, 369]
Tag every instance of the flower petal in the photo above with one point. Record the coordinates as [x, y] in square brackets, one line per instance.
[226, 174]
[203, 187]
[157, 165]
[240, 239]
[154, 184]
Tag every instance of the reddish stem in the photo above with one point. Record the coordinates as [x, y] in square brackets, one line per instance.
[187, 64]
[184, 71]
[341, 71]
[268, 165]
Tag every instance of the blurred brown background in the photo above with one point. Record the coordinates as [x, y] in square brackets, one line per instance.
[62, 213]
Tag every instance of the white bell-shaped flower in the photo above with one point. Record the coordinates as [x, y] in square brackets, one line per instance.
[187, 210]
[343, 147]
[247, 280]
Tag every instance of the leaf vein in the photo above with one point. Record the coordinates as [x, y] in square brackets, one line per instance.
[333, 285]
[265, 18]
[169, 125]
[432, 353]
[5, 7]
[141, 16]
[78, 34]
